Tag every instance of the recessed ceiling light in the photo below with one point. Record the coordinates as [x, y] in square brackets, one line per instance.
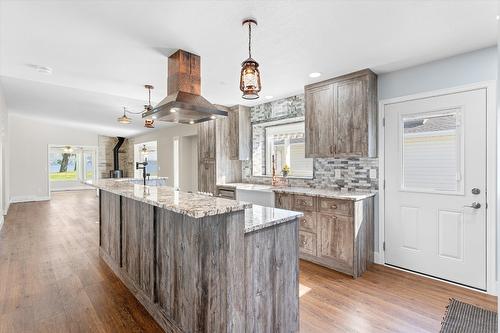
[173, 110]
[314, 74]
[41, 69]
[269, 97]
[212, 117]
[153, 116]
[191, 122]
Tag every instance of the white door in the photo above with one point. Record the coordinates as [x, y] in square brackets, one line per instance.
[435, 214]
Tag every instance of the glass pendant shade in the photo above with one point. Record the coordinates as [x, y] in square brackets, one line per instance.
[124, 119]
[250, 79]
[149, 123]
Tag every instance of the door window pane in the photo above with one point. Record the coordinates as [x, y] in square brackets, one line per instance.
[432, 152]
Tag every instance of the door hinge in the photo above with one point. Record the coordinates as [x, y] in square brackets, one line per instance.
[383, 184]
[383, 246]
[383, 122]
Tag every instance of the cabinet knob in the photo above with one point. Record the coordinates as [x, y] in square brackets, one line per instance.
[333, 206]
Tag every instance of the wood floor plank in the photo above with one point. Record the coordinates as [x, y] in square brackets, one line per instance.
[52, 280]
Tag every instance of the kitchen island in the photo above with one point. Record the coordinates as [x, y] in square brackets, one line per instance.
[199, 263]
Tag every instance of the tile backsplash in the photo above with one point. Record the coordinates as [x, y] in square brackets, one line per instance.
[336, 173]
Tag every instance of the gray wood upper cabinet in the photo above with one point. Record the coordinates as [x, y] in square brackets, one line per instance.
[239, 133]
[206, 141]
[214, 165]
[319, 122]
[341, 116]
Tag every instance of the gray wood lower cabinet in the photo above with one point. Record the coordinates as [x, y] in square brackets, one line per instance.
[204, 274]
[333, 233]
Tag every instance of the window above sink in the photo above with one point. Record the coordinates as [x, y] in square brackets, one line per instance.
[283, 139]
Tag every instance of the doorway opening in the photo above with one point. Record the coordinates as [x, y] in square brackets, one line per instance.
[69, 167]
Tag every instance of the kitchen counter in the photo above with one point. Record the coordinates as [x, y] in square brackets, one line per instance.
[190, 204]
[324, 193]
[199, 263]
[260, 217]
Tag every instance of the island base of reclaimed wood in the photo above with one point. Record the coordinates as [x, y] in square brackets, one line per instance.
[202, 274]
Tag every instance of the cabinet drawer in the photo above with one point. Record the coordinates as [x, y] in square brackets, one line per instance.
[308, 222]
[304, 203]
[307, 243]
[283, 200]
[343, 207]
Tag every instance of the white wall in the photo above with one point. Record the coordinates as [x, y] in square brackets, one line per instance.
[462, 69]
[165, 138]
[28, 156]
[4, 165]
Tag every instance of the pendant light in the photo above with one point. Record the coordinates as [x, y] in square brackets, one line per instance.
[68, 150]
[148, 123]
[145, 151]
[124, 119]
[250, 75]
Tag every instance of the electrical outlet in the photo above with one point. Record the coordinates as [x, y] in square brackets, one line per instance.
[373, 173]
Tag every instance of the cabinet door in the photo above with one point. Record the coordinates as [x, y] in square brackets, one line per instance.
[351, 117]
[336, 241]
[319, 127]
[207, 176]
[206, 140]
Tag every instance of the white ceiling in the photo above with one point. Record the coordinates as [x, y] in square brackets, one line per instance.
[103, 52]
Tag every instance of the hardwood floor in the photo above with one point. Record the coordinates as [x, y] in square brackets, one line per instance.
[52, 280]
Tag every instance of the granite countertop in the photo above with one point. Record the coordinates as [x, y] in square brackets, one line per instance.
[324, 193]
[260, 217]
[190, 204]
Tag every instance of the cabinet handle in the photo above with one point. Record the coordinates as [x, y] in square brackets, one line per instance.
[333, 206]
[334, 148]
[333, 218]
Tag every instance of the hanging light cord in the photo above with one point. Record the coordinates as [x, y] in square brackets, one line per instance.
[249, 39]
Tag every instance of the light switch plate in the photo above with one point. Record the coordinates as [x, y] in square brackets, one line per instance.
[373, 173]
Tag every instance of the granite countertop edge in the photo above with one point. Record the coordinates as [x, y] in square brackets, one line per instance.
[127, 191]
[318, 192]
[259, 217]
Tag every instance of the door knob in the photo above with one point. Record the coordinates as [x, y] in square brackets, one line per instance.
[475, 205]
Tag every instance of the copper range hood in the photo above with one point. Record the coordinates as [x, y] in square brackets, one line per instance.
[184, 103]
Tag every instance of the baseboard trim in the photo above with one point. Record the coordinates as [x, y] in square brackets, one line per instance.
[1, 222]
[377, 258]
[6, 209]
[28, 198]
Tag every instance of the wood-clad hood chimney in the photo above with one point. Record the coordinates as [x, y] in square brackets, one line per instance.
[184, 103]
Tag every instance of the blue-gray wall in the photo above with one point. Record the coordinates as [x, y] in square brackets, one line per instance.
[462, 69]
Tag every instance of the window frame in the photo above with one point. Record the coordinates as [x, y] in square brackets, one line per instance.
[458, 113]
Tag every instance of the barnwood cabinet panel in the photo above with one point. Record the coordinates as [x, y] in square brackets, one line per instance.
[138, 244]
[239, 133]
[214, 165]
[109, 228]
[336, 241]
[206, 140]
[319, 123]
[335, 233]
[341, 116]
[283, 200]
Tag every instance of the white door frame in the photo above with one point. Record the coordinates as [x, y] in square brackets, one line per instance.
[491, 173]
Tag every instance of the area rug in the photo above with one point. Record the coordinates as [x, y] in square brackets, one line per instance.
[461, 317]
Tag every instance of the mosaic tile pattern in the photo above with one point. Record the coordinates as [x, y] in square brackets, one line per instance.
[334, 173]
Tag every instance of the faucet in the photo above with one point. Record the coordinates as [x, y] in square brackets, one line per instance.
[143, 167]
[273, 179]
